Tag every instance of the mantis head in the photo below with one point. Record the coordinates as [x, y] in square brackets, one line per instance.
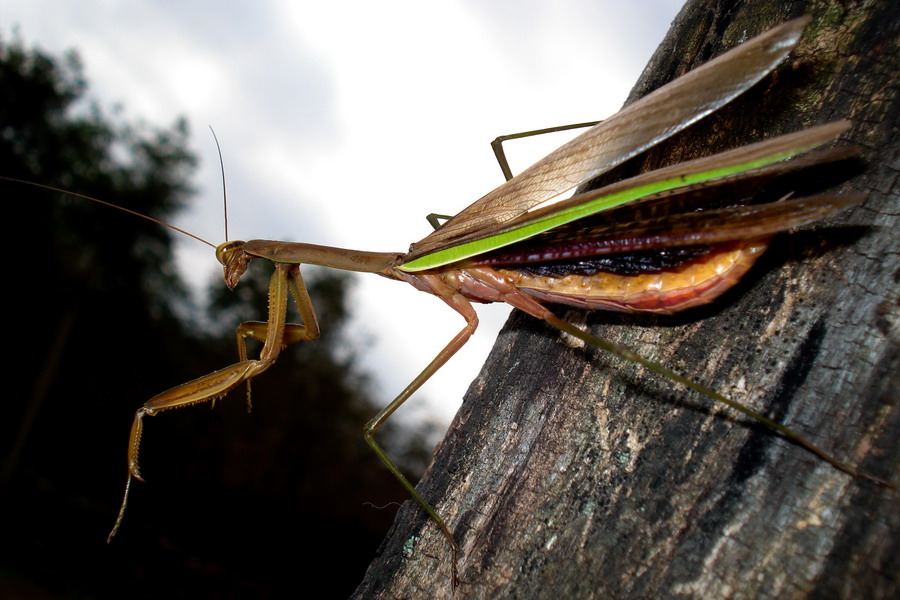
[234, 260]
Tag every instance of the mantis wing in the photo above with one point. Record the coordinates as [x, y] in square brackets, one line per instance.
[632, 130]
[701, 228]
[708, 171]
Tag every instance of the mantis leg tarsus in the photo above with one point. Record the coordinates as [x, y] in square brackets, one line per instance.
[134, 442]
[121, 514]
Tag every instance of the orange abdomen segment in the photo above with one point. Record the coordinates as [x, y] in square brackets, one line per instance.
[696, 282]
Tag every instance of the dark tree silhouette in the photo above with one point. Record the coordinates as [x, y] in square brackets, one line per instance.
[94, 331]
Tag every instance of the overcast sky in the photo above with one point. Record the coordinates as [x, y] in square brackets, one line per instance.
[346, 123]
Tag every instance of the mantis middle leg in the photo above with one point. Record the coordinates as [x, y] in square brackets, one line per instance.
[461, 305]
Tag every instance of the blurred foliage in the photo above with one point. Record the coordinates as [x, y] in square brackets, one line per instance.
[95, 333]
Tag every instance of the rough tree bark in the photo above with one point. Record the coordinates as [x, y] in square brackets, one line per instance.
[570, 474]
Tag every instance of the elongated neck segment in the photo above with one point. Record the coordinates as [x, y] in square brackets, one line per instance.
[325, 256]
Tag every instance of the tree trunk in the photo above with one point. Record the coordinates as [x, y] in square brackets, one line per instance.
[570, 474]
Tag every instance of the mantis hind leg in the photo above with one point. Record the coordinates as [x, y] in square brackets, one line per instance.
[530, 306]
[436, 219]
[497, 144]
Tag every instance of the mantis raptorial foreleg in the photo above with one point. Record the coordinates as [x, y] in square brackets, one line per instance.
[275, 334]
[258, 330]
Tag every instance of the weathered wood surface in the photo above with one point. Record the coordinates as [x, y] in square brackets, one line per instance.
[568, 474]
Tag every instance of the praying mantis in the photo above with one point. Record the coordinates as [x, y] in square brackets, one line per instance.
[449, 263]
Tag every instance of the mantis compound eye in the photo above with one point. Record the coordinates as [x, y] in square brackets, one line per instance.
[225, 251]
